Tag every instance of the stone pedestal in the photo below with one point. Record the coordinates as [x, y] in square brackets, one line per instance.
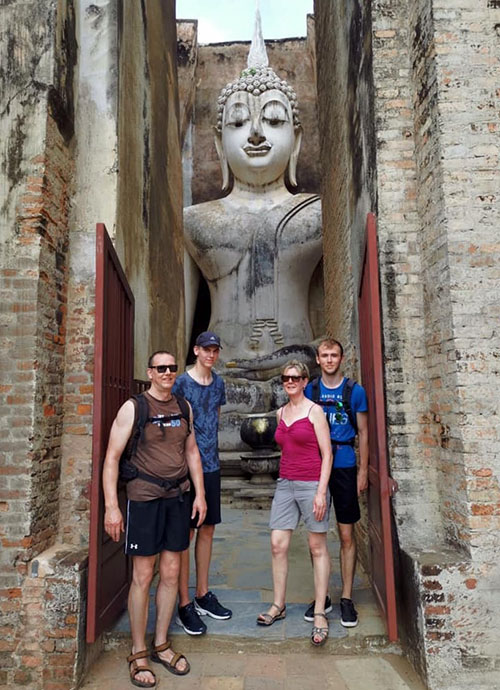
[257, 431]
[261, 465]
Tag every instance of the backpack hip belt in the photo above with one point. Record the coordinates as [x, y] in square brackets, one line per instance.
[164, 483]
[350, 442]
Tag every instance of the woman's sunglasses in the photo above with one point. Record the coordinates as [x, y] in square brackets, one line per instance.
[290, 377]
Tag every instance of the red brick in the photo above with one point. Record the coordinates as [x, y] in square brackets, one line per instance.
[432, 584]
[437, 610]
[49, 411]
[22, 677]
[482, 509]
[31, 661]
[83, 409]
[77, 430]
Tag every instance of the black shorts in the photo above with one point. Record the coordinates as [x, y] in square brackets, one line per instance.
[158, 525]
[343, 486]
[212, 497]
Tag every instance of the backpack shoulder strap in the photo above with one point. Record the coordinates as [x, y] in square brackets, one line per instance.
[142, 412]
[315, 389]
[346, 401]
[184, 408]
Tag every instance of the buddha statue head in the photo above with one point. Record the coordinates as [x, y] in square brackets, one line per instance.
[258, 131]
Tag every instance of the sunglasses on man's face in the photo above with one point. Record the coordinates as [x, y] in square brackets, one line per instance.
[162, 368]
[290, 377]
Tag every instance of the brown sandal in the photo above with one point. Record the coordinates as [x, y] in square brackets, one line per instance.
[269, 619]
[322, 633]
[172, 664]
[134, 669]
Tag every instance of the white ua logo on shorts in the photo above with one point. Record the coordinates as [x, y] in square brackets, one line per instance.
[134, 546]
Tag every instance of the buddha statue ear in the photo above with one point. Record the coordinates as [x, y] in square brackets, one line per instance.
[292, 165]
[222, 159]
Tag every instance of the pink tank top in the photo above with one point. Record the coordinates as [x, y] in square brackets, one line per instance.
[300, 456]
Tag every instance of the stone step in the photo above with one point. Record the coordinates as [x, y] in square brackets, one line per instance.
[267, 640]
[243, 493]
[230, 465]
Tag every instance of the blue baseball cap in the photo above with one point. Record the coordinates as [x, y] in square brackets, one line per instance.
[208, 338]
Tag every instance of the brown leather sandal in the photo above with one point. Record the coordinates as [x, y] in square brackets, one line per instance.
[269, 619]
[322, 633]
[134, 669]
[172, 664]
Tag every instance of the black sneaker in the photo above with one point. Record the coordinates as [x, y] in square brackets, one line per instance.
[348, 614]
[188, 619]
[208, 605]
[309, 614]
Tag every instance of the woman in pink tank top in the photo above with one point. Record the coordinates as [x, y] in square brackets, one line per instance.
[301, 491]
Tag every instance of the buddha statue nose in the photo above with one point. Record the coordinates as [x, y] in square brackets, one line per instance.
[256, 136]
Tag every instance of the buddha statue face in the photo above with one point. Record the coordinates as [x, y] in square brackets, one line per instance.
[258, 139]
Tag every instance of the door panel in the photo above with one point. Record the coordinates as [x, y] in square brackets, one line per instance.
[109, 570]
[381, 486]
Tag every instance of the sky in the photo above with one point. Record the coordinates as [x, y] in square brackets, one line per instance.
[233, 20]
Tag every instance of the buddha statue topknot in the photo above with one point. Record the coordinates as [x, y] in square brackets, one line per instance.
[258, 247]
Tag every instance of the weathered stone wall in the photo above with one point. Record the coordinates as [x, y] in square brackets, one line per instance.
[59, 176]
[149, 228]
[433, 183]
[95, 199]
[346, 148]
[413, 439]
[36, 179]
[454, 56]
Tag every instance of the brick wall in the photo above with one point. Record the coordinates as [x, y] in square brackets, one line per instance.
[33, 366]
[60, 178]
[36, 130]
[435, 174]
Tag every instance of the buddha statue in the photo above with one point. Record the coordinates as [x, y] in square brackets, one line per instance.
[257, 247]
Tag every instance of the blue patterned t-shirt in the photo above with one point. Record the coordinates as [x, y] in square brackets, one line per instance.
[205, 401]
[341, 428]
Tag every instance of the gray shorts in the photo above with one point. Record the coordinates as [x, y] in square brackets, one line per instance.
[293, 499]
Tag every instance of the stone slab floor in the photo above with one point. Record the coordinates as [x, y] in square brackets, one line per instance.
[238, 654]
[314, 669]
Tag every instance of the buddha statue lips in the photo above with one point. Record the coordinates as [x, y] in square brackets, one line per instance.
[262, 150]
[258, 247]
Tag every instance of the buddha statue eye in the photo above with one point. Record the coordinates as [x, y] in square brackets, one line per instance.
[275, 114]
[237, 116]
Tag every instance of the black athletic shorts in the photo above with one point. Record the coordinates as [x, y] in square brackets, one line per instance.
[158, 525]
[212, 497]
[344, 492]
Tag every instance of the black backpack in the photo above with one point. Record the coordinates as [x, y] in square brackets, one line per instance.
[127, 470]
[346, 399]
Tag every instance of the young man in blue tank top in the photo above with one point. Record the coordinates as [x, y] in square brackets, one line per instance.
[347, 481]
[205, 391]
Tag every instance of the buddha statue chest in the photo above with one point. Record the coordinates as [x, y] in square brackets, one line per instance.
[258, 263]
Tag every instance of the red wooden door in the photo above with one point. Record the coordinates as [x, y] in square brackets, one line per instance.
[381, 486]
[109, 571]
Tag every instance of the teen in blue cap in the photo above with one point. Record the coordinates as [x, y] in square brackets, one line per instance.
[205, 391]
